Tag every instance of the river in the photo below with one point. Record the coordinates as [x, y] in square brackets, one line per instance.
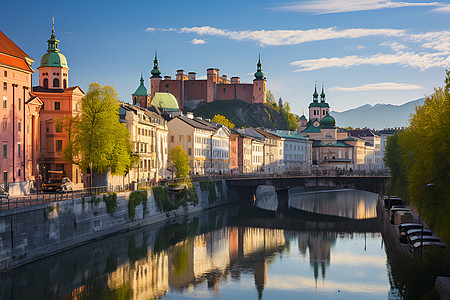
[231, 252]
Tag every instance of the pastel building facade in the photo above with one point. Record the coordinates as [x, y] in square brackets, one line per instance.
[60, 103]
[186, 87]
[148, 134]
[19, 112]
[297, 151]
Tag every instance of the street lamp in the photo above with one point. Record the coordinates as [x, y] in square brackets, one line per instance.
[420, 217]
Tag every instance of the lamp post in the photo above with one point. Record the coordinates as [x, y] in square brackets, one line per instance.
[90, 168]
[420, 217]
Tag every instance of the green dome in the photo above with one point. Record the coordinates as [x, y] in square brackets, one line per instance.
[319, 104]
[53, 59]
[328, 122]
[165, 101]
[259, 75]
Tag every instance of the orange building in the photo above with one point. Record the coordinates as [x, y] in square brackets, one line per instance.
[19, 111]
[214, 87]
[59, 101]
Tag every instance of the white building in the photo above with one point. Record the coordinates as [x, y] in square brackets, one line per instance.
[297, 151]
[148, 134]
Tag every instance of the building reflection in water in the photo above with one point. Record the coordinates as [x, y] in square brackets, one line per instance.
[350, 204]
[208, 258]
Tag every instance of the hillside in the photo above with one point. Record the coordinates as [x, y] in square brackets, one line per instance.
[243, 114]
[379, 116]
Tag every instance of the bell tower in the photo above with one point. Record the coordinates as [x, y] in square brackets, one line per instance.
[53, 70]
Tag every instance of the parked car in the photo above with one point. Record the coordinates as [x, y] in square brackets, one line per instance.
[3, 193]
[413, 232]
[404, 227]
[426, 238]
[395, 209]
[57, 185]
[424, 245]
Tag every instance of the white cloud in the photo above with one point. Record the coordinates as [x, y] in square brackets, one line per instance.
[288, 37]
[377, 87]
[198, 41]
[355, 47]
[443, 9]
[421, 61]
[342, 6]
[150, 29]
[395, 46]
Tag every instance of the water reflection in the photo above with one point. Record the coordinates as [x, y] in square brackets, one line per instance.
[351, 204]
[209, 256]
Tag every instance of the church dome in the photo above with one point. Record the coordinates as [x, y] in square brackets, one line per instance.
[328, 122]
[53, 59]
[165, 101]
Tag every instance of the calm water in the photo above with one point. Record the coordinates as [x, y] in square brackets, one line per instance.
[229, 253]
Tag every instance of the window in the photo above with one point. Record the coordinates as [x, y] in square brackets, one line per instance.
[58, 145]
[5, 150]
[20, 104]
[5, 73]
[19, 126]
[5, 86]
[166, 85]
[45, 84]
[57, 105]
[189, 151]
[18, 149]
[180, 138]
[224, 90]
[5, 125]
[65, 83]
[75, 106]
[5, 102]
[18, 172]
[171, 138]
[56, 82]
[58, 128]
[189, 138]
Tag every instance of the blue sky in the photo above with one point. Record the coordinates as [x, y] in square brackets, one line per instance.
[365, 51]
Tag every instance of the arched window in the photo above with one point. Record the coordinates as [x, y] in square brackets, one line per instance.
[46, 83]
[65, 83]
[56, 82]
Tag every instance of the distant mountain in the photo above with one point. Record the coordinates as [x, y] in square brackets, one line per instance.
[379, 116]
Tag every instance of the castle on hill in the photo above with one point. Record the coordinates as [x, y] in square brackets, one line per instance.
[188, 88]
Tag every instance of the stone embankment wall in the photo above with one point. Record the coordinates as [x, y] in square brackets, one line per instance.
[34, 232]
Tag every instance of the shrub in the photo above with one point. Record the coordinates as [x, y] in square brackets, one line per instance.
[111, 202]
[136, 198]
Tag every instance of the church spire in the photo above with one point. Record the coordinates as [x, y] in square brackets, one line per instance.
[53, 42]
[322, 95]
[315, 95]
[259, 75]
[156, 73]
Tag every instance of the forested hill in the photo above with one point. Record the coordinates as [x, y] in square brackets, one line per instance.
[243, 114]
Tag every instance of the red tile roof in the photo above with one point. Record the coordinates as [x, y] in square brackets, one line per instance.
[11, 54]
[9, 47]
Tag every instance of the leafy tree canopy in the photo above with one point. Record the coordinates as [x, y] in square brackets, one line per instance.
[97, 136]
[421, 155]
[180, 160]
[222, 120]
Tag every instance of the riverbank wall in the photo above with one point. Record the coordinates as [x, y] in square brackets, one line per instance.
[34, 232]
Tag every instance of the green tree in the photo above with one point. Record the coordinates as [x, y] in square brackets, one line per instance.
[222, 120]
[424, 158]
[280, 103]
[98, 136]
[180, 160]
[270, 98]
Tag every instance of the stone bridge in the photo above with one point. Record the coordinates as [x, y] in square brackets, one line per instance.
[374, 184]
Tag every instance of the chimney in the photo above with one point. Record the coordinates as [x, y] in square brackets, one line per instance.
[191, 75]
[235, 79]
[167, 78]
[180, 74]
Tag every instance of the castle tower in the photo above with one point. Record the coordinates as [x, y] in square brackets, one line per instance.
[141, 97]
[259, 85]
[324, 107]
[155, 80]
[53, 70]
[211, 81]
